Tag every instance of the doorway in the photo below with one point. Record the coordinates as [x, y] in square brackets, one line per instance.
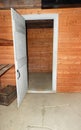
[40, 54]
[54, 18]
[20, 55]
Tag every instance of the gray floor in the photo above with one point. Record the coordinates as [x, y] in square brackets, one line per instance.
[40, 81]
[43, 112]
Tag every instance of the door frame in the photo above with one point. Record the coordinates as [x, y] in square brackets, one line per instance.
[53, 17]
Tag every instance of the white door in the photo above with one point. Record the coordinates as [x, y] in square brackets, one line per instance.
[20, 55]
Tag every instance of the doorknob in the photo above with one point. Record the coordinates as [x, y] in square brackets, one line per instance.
[18, 74]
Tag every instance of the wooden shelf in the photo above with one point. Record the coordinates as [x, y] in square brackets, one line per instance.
[4, 42]
[4, 68]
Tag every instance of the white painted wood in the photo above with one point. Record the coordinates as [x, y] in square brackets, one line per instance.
[55, 53]
[40, 16]
[20, 55]
[49, 91]
[54, 17]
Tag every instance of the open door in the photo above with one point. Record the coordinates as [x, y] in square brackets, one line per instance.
[20, 54]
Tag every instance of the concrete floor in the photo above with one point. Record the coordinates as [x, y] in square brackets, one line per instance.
[40, 81]
[43, 112]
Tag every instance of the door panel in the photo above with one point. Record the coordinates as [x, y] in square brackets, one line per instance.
[20, 54]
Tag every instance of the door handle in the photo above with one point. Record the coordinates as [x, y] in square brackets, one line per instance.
[18, 74]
